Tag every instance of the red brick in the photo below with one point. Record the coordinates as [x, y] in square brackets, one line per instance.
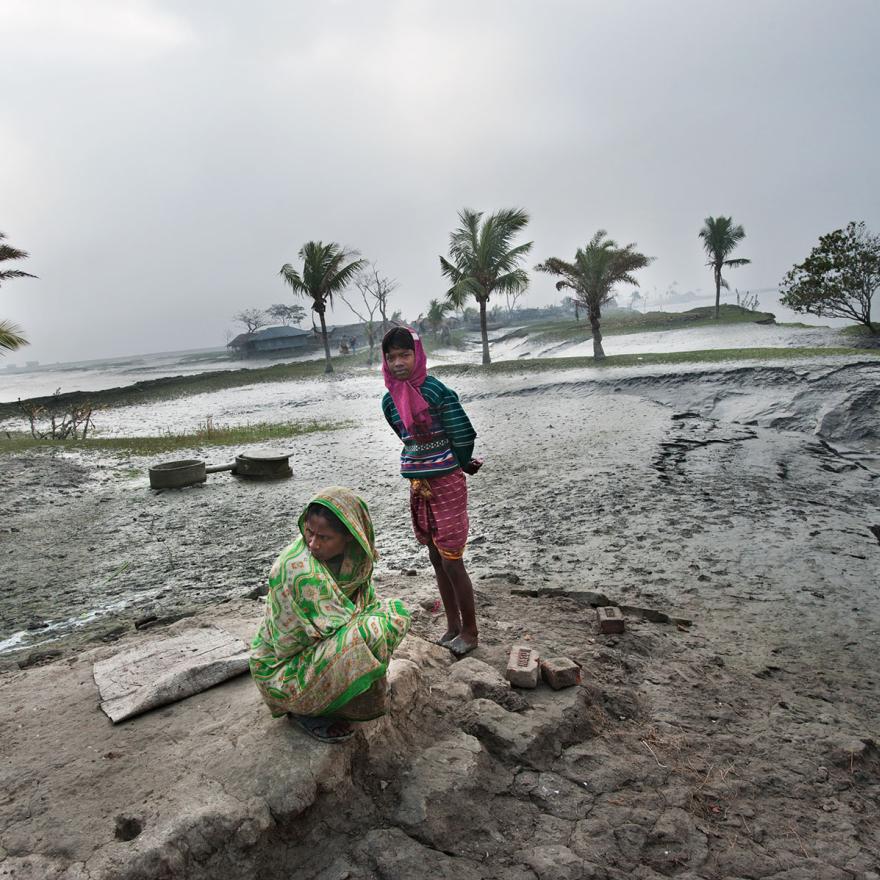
[610, 619]
[522, 667]
[560, 672]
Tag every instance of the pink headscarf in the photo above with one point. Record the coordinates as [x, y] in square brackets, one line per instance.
[411, 406]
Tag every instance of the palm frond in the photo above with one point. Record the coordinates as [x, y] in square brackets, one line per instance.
[11, 337]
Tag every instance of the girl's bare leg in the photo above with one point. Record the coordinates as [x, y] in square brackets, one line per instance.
[463, 589]
[447, 594]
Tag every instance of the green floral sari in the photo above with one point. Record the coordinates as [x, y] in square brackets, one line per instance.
[326, 639]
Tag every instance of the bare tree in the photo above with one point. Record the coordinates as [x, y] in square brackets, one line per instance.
[512, 297]
[252, 319]
[286, 314]
[377, 287]
[374, 290]
[71, 422]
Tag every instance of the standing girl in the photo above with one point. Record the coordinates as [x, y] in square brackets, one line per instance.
[438, 444]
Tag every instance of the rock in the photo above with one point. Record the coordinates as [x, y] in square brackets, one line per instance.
[536, 737]
[434, 783]
[485, 682]
[393, 855]
[560, 672]
[522, 667]
[854, 754]
[38, 658]
[557, 862]
[480, 677]
[423, 653]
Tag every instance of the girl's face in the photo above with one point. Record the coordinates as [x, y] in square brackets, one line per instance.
[400, 362]
[323, 541]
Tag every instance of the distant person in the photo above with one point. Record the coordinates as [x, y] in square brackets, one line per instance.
[438, 444]
[353, 344]
[322, 650]
[343, 347]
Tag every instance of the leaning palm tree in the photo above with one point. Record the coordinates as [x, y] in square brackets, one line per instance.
[11, 337]
[482, 260]
[327, 269]
[720, 237]
[596, 270]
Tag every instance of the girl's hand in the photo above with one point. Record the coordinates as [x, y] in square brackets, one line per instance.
[473, 466]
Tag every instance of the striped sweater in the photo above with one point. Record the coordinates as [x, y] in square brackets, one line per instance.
[450, 443]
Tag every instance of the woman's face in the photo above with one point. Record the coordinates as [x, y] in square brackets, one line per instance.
[323, 541]
[400, 362]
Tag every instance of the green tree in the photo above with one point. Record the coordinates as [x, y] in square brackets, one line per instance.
[286, 314]
[720, 236]
[483, 260]
[839, 278]
[11, 337]
[327, 269]
[593, 275]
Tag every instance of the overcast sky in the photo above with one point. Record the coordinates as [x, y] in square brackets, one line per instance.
[160, 161]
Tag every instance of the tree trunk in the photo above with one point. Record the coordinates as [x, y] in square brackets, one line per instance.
[329, 367]
[577, 313]
[598, 351]
[717, 292]
[484, 332]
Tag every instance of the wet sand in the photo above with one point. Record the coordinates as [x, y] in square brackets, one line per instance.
[741, 499]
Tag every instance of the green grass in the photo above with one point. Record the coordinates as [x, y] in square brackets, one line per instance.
[206, 435]
[618, 323]
[707, 356]
[860, 330]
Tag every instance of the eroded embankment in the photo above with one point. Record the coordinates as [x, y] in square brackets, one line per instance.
[668, 761]
[839, 403]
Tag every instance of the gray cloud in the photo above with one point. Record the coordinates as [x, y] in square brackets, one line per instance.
[160, 161]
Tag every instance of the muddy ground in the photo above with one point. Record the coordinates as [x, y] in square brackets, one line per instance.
[741, 746]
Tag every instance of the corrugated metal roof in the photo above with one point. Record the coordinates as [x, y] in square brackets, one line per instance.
[279, 332]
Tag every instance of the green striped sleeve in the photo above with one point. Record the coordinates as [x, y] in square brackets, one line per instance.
[456, 424]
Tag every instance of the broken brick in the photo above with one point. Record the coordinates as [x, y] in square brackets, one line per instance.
[560, 672]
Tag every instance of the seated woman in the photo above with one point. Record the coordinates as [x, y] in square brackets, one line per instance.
[322, 650]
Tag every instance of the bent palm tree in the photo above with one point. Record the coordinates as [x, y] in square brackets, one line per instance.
[482, 260]
[11, 337]
[720, 236]
[596, 270]
[326, 270]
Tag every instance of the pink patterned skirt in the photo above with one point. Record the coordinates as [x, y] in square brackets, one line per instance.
[439, 512]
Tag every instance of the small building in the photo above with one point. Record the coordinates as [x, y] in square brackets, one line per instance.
[276, 340]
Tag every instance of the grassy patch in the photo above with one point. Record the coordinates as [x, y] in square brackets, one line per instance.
[860, 330]
[168, 387]
[618, 323]
[206, 435]
[707, 356]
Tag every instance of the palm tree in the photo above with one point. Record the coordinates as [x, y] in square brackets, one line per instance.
[720, 237]
[437, 312]
[327, 269]
[11, 337]
[596, 270]
[482, 260]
